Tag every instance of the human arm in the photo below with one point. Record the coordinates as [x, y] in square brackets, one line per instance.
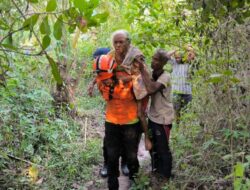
[170, 53]
[151, 86]
[144, 124]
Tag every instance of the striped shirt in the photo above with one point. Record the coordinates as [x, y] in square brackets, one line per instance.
[180, 76]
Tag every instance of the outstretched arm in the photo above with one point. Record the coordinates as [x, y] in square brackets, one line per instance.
[151, 86]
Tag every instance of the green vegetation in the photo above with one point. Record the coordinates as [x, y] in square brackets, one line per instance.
[43, 83]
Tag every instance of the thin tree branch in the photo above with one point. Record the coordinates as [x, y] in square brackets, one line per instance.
[35, 54]
[10, 33]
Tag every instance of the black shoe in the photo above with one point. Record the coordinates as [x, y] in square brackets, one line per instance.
[125, 170]
[104, 171]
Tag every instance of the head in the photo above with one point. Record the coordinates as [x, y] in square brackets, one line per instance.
[121, 41]
[100, 51]
[159, 59]
[190, 52]
[177, 57]
[191, 56]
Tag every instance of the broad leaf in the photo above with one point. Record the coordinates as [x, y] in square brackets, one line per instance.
[46, 41]
[8, 46]
[72, 28]
[51, 6]
[58, 28]
[55, 70]
[3, 25]
[102, 17]
[93, 4]
[44, 27]
[239, 170]
[82, 5]
[30, 22]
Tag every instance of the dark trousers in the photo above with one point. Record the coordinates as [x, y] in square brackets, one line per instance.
[180, 103]
[161, 156]
[105, 154]
[118, 136]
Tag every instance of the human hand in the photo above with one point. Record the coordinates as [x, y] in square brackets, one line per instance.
[170, 53]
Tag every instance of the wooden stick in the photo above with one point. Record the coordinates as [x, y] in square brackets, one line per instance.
[85, 131]
[26, 161]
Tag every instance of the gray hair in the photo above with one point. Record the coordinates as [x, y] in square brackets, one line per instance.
[122, 32]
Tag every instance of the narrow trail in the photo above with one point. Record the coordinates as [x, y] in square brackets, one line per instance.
[100, 183]
[95, 130]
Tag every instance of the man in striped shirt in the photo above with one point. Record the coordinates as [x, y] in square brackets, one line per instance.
[181, 86]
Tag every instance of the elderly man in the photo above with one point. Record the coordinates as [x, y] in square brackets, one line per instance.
[104, 171]
[122, 127]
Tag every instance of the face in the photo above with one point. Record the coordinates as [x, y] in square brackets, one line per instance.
[155, 63]
[178, 58]
[120, 43]
[191, 56]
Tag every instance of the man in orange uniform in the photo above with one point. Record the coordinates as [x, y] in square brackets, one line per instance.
[122, 128]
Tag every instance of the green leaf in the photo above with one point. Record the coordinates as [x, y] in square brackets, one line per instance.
[51, 6]
[82, 5]
[55, 70]
[239, 170]
[46, 41]
[72, 28]
[234, 3]
[93, 4]
[234, 79]
[30, 22]
[237, 184]
[32, 1]
[3, 25]
[92, 22]
[44, 27]
[228, 72]
[72, 12]
[4, 155]
[102, 17]
[8, 46]
[58, 28]
[215, 78]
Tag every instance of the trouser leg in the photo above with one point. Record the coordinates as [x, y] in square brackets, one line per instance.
[186, 98]
[177, 106]
[113, 145]
[160, 154]
[130, 140]
[105, 153]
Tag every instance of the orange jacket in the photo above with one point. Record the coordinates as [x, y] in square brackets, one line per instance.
[122, 107]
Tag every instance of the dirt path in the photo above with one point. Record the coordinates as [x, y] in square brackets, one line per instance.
[144, 159]
[100, 183]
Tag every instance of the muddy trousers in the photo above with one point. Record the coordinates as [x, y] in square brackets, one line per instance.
[118, 136]
[161, 156]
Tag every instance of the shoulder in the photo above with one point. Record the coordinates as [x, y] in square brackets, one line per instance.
[164, 79]
[164, 76]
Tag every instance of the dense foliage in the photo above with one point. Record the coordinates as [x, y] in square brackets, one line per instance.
[38, 39]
